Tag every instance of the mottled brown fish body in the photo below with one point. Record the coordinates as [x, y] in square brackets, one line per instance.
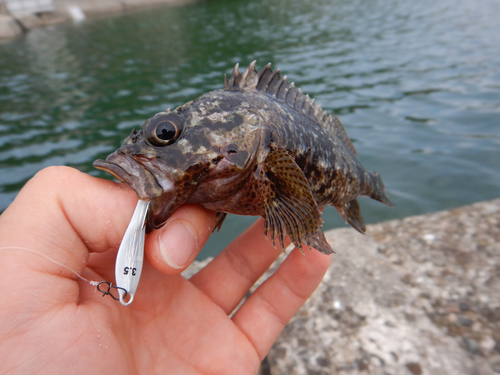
[257, 147]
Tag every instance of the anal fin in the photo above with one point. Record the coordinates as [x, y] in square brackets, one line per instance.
[351, 213]
[219, 219]
[290, 208]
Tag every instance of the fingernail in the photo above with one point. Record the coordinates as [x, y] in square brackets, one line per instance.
[177, 244]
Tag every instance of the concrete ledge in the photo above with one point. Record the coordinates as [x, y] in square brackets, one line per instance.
[29, 21]
[416, 296]
[9, 28]
[88, 7]
[413, 296]
[67, 10]
[130, 5]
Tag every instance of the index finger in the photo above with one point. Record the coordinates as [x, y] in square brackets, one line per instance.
[64, 214]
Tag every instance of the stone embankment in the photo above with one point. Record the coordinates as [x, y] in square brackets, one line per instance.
[13, 25]
[413, 296]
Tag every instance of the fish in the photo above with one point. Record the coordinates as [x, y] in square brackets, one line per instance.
[258, 146]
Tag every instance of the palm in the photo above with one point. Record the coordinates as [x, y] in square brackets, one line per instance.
[191, 334]
[184, 332]
[53, 322]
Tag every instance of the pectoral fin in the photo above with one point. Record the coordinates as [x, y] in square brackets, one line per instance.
[290, 208]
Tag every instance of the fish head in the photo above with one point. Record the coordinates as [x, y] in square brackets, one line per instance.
[174, 152]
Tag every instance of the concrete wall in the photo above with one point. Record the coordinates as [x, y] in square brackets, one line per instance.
[9, 28]
[18, 16]
[22, 7]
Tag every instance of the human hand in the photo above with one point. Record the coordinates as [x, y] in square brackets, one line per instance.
[53, 322]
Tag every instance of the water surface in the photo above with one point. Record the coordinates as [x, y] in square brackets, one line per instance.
[416, 84]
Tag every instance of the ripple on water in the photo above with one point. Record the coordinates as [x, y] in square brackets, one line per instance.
[39, 150]
[23, 171]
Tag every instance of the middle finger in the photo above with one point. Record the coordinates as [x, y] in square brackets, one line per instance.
[227, 279]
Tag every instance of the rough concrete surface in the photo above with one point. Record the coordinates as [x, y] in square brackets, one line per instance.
[413, 296]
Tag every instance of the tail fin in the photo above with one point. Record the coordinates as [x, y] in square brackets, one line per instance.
[375, 189]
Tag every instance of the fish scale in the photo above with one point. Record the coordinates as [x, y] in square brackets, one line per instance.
[259, 146]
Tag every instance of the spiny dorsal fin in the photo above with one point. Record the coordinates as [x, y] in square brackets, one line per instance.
[273, 84]
[248, 79]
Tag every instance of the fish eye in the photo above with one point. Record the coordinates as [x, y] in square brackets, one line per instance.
[164, 130]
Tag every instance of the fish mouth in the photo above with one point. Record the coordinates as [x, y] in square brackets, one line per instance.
[128, 170]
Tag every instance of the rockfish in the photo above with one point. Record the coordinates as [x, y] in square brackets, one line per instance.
[259, 146]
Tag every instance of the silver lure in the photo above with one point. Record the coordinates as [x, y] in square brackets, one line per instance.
[130, 255]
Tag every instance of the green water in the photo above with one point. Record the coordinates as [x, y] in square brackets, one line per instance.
[416, 84]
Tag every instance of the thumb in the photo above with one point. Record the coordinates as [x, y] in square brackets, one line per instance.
[174, 246]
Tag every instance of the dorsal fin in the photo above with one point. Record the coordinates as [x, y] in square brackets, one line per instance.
[273, 84]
